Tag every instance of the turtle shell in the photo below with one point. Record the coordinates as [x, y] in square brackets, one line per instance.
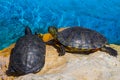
[81, 38]
[28, 55]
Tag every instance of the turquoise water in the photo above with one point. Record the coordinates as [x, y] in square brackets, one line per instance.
[100, 15]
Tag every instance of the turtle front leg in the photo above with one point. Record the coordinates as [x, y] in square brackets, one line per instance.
[110, 51]
[61, 50]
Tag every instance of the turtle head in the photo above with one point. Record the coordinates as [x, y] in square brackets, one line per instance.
[53, 31]
[28, 31]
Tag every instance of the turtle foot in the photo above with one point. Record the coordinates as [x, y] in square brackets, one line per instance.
[61, 50]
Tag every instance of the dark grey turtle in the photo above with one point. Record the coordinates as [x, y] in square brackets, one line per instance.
[28, 55]
[79, 39]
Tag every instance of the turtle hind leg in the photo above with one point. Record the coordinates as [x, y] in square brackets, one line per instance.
[109, 50]
[10, 71]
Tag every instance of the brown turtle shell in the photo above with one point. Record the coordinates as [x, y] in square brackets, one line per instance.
[81, 38]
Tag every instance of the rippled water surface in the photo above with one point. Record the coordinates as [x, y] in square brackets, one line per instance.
[100, 15]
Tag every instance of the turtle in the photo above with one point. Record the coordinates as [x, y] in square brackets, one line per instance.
[28, 55]
[79, 39]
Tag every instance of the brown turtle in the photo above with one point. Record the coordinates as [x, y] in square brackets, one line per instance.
[79, 39]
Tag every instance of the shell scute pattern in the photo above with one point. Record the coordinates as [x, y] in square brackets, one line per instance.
[28, 55]
[79, 37]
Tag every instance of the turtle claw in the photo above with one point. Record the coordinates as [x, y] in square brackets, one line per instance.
[109, 50]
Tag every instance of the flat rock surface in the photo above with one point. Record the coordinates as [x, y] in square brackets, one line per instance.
[95, 66]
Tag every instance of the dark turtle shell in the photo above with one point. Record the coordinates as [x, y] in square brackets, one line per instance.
[28, 55]
[81, 38]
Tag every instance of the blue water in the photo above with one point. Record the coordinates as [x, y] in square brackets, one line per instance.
[100, 15]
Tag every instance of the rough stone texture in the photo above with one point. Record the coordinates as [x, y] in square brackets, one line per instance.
[95, 66]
